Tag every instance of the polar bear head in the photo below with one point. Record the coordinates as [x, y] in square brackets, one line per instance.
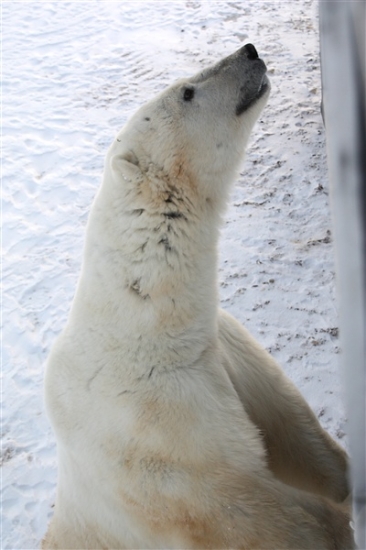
[194, 133]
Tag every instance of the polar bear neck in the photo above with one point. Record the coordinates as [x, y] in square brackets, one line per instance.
[150, 267]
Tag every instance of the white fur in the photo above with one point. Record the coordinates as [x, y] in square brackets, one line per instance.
[175, 429]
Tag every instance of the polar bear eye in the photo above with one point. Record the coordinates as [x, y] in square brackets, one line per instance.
[188, 94]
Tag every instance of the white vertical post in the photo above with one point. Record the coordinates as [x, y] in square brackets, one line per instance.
[342, 40]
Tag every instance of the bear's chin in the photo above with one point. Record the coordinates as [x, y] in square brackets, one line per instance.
[244, 104]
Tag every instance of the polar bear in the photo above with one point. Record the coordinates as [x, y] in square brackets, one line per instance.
[175, 429]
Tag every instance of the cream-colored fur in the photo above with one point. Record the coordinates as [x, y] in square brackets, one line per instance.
[175, 429]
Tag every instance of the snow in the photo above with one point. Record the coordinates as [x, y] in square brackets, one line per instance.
[73, 72]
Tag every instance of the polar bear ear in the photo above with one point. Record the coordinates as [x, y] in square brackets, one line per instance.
[126, 166]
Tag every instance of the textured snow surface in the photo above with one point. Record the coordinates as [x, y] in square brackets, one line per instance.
[73, 72]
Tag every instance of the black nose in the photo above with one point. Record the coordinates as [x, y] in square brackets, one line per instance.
[251, 51]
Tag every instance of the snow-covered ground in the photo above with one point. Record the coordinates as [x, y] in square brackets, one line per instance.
[73, 72]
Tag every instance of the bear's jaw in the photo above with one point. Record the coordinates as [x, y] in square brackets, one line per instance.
[247, 102]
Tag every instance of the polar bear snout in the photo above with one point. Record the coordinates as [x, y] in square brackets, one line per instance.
[250, 51]
[245, 71]
[256, 83]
